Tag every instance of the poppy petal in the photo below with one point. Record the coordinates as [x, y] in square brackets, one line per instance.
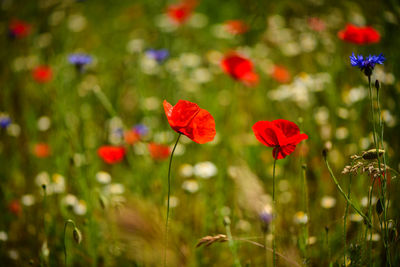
[265, 132]
[294, 140]
[203, 126]
[283, 151]
[181, 114]
[189, 119]
[288, 128]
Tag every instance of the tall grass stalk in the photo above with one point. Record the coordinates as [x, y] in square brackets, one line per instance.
[366, 219]
[231, 242]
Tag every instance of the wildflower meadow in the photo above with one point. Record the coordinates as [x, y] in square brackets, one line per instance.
[199, 133]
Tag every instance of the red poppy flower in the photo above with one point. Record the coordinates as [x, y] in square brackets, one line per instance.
[158, 151]
[19, 29]
[42, 74]
[189, 119]
[179, 13]
[239, 68]
[280, 134]
[111, 154]
[280, 74]
[235, 27]
[42, 150]
[15, 207]
[359, 35]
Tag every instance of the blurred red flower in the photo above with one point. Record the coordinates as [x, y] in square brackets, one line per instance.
[131, 137]
[239, 68]
[158, 151]
[42, 74]
[41, 150]
[19, 29]
[359, 35]
[280, 134]
[316, 24]
[235, 27]
[189, 119]
[15, 207]
[379, 178]
[280, 74]
[111, 154]
[180, 13]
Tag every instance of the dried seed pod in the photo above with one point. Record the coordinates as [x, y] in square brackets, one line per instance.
[208, 240]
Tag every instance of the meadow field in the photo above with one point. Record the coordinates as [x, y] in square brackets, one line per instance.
[199, 133]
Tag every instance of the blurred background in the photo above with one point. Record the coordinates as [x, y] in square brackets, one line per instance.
[76, 76]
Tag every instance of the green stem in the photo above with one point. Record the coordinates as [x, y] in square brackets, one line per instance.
[344, 194]
[231, 243]
[306, 210]
[65, 230]
[345, 220]
[169, 194]
[104, 101]
[274, 219]
[43, 257]
[383, 180]
[266, 251]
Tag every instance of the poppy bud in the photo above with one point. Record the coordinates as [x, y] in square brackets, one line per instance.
[379, 208]
[77, 235]
[103, 202]
[227, 221]
[377, 85]
[324, 153]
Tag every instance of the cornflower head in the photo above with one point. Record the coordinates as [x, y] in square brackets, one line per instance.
[158, 55]
[80, 60]
[366, 64]
[5, 120]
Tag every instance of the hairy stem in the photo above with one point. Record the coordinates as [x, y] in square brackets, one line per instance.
[65, 246]
[169, 195]
[274, 219]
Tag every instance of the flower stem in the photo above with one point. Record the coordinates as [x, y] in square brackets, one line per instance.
[345, 219]
[305, 207]
[274, 219]
[65, 230]
[383, 177]
[169, 194]
[382, 174]
[265, 246]
[231, 242]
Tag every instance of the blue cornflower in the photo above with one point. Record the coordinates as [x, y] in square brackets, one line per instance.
[80, 60]
[367, 65]
[5, 120]
[266, 218]
[141, 129]
[157, 55]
